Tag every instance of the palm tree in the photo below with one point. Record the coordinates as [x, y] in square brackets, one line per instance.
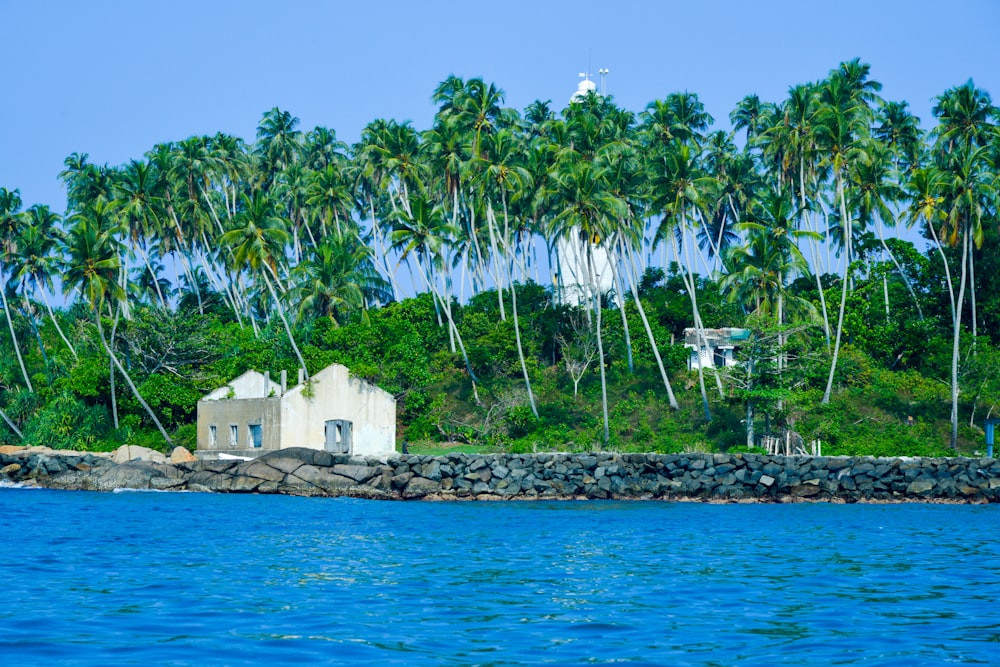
[423, 232]
[584, 207]
[278, 143]
[338, 278]
[842, 123]
[503, 175]
[749, 114]
[258, 245]
[873, 191]
[968, 194]
[10, 206]
[36, 260]
[678, 186]
[92, 257]
[136, 187]
[966, 124]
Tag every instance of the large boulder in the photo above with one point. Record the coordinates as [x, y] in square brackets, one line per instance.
[182, 455]
[127, 453]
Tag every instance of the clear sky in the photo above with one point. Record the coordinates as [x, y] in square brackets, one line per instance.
[113, 78]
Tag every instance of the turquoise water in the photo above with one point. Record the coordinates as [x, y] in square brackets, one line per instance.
[195, 579]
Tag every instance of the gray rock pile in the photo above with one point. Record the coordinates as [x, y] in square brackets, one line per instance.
[693, 476]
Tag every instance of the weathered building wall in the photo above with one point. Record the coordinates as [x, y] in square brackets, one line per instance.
[224, 414]
[336, 395]
[249, 385]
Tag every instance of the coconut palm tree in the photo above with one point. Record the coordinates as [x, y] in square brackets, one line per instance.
[503, 177]
[584, 205]
[92, 268]
[842, 120]
[258, 245]
[36, 260]
[679, 188]
[968, 194]
[278, 144]
[338, 278]
[10, 206]
[423, 232]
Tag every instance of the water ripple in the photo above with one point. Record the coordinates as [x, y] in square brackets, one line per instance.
[199, 579]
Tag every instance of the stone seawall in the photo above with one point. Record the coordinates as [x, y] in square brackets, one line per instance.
[694, 476]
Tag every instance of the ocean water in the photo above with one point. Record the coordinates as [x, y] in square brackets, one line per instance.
[201, 579]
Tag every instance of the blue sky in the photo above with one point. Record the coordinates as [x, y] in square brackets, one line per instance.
[113, 78]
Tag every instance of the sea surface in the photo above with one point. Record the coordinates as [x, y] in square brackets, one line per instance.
[202, 579]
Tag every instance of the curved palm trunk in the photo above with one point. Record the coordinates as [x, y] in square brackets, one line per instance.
[451, 324]
[621, 309]
[284, 320]
[513, 305]
[955, 341]
[111, 375]
[652, 341]
[596, 304]
[698, 330]
[52, 316]
[13, 337]
[490, 224]
[520, 351]
[972, 291]
[128, 381]
[11, 424]
[846, 223]
[902, 274]
[815, 253]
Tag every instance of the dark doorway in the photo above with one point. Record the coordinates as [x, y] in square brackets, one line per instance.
[338, 436]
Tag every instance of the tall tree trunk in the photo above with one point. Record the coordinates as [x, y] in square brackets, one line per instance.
[902, 274]
[111, 373]
[10, 423]
[13, 338]
[621, 308]
[52, 316]
[815, 252]
[128, 381]
[596, 304]
[284, 320]
[846, 223]
[510, 247]
[652, 341]
[956, 336]
[699, 333]
[451, 323]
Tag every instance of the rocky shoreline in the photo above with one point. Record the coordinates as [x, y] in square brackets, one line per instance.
[690, 476]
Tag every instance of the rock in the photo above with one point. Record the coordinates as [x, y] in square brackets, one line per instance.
[766, 480]
[920, 486]
[11, 449]
[127, 453]
[10, 469]
[401, 480]
[359, 474]
[261, 470]
[805, 490]
[182, 455]
[418, 487]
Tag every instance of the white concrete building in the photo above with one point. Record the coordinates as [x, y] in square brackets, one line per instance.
[332, 411]
[571, 277]
[715, 348]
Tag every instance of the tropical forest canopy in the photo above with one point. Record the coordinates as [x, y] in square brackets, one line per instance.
[424, 260]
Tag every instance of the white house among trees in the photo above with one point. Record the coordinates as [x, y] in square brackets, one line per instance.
[332, 411]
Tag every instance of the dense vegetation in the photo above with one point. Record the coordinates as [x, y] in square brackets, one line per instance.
[297, 251]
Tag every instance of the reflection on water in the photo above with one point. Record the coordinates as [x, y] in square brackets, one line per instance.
[211, 579]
